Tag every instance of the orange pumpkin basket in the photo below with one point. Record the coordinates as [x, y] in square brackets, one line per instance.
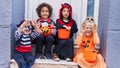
[63, 34]
[46, 30]
[90, 56]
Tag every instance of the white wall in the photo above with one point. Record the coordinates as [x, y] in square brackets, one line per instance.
[79, 8]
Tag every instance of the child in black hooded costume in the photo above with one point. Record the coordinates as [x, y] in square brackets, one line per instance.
[64, 47]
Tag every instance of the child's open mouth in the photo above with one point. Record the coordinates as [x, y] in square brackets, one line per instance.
[27, 30]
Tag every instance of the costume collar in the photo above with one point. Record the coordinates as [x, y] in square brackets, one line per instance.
[47, 20]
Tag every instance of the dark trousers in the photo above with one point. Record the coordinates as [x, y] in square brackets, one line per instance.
[64, 48]
[24, 59]
[48, 41]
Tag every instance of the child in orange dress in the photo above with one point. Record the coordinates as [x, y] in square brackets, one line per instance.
[88, 40]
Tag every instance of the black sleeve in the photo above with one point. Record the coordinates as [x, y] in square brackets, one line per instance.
[58, 25]
[74, 28]
[52, 22]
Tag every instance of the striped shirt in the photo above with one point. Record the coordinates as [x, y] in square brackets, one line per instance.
[23, 41]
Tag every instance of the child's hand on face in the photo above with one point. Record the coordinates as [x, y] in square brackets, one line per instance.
[33, 23]
[95, 30]
[83, 31]
[23, 25]
[26, 23]
[38, 25]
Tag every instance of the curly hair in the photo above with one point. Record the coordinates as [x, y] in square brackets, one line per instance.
[39, 8]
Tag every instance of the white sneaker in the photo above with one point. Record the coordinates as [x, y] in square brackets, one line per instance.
[68, 59]
[56, 59]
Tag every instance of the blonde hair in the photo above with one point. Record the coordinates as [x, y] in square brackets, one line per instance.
[88, 20]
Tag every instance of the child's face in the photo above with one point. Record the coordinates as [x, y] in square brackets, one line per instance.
[27, 27]
[44, 13]
[65, 13]
[89, 29]
[27, 30]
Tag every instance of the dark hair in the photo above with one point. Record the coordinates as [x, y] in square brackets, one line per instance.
[38, 9]
[21, 22]
[65, 5]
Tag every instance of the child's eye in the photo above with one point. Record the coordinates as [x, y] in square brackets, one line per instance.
[47, 11]
[91, 28]
[64, 11]
[86, 27]
[26, 26]
[42, 11]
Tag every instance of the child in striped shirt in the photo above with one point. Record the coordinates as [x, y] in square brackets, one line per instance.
[23, 37]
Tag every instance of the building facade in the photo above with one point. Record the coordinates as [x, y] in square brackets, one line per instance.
[12, 11]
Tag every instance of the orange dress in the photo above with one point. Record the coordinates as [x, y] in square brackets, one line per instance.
[86, 57]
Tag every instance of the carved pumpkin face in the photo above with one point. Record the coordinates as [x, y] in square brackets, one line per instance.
[45, 30]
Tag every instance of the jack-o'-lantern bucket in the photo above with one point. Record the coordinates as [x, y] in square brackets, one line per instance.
[63, 34]
[45, 30]
[90, 56]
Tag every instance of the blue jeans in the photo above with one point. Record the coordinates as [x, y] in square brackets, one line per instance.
[48, 41]
[24, 59]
